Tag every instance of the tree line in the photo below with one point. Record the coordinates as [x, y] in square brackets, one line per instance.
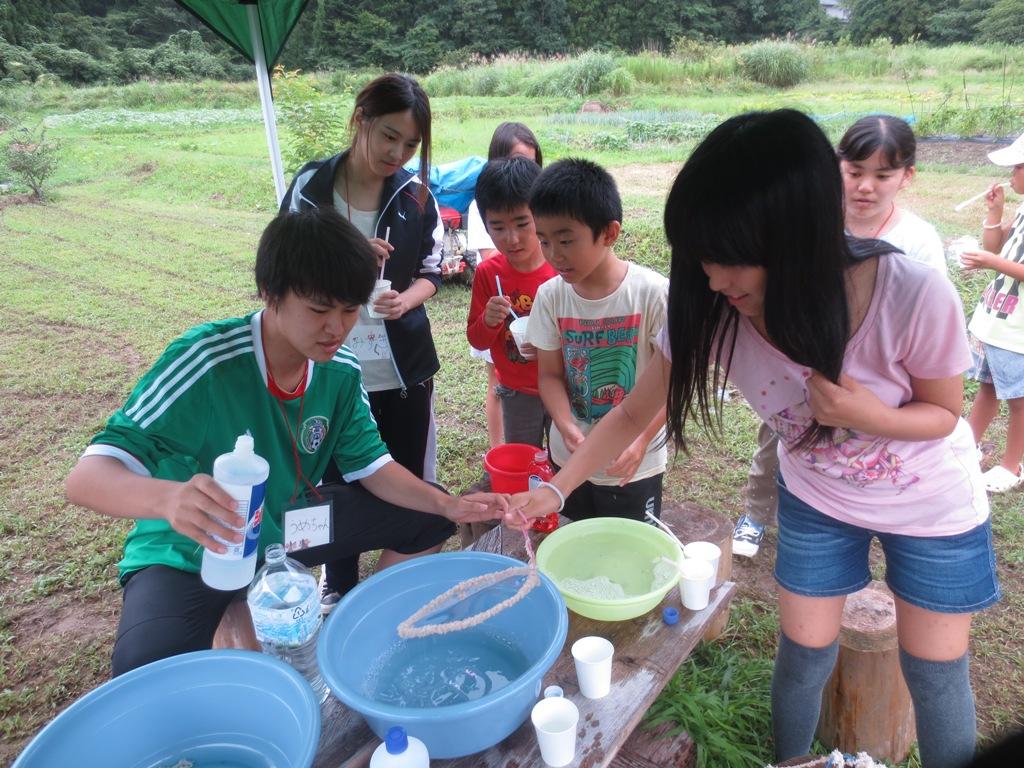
[88, 41]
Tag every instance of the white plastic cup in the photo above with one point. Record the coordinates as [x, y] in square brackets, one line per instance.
[695, 585]
[704, 550]
[518, 328]
[554, 721]
[961, 245]
[593, 657]
[379, 287]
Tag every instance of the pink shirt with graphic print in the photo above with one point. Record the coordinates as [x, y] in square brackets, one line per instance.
[914, 327]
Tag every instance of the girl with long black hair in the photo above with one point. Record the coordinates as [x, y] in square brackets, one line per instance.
[854, 356]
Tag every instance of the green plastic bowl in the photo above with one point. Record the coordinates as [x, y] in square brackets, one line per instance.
[625, 551]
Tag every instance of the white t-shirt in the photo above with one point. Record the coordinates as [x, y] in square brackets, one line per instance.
[368, 338]
[918, 240]
[477, 238]
[605, 344]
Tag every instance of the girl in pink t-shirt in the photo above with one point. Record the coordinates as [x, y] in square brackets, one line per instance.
[854, 357]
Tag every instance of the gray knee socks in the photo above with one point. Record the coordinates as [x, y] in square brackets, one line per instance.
[943, 709]
[797, 682]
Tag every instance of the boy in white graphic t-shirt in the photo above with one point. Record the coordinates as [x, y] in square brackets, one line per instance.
[594, 327]
[997, 328]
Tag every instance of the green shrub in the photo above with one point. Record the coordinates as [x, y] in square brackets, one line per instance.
[184, 56]
[131, 64]
[315, 126]
[692, 49]
[17, 63]
[618, 82]
[775, 64]
[31, 157]
[582, 76]
[70, 64]
[999, 120]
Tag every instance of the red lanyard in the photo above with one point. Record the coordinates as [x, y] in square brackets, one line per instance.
[279, 395]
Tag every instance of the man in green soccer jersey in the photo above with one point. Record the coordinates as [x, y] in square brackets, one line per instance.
[283, 375]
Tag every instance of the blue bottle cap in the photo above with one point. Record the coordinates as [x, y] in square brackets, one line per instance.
[670, 615]
[396, 741]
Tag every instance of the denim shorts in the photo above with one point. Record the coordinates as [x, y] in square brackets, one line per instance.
[999, 367]
[819, 556]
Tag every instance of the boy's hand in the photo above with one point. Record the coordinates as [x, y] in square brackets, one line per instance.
[571, 436]
[476, 507]
[626, 465]
[391, 304]
[524, 507]
[971, 261]
[382, 250]
[200, 509]
[847, 404]
[496, 311]
[995, 199]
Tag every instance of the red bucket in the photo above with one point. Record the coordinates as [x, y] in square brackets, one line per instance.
[509, 467]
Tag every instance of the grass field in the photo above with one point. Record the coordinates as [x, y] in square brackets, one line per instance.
[156, 212]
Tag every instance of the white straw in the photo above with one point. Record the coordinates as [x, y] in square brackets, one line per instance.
[665, 528]
[497, 279]
[965, 203]
[387, 239]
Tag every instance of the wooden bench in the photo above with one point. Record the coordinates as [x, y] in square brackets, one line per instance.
[648, 652]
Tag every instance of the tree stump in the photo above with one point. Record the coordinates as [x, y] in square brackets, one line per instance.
[866, 705]
[235, 629]
[695, 523]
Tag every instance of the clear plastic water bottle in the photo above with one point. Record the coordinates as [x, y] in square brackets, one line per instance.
[541, 471]
[400, 750]
[243, 475]
[285, 607]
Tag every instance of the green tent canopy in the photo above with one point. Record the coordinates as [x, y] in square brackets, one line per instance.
[230, 20]
[257, 29]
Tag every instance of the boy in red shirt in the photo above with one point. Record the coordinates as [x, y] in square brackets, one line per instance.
[503, 194]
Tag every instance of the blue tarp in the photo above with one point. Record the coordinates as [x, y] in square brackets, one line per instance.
[453, 184]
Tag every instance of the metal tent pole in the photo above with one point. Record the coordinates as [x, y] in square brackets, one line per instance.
[266, 100]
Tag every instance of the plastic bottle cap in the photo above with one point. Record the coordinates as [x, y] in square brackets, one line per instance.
[670, 615]
[553, 691]
[396, 741]
[244, 444]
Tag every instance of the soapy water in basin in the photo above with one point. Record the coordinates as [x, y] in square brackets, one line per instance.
[220, 756]
[603, 588]
[444, 670]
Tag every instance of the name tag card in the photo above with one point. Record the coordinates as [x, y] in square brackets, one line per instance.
[306, 527]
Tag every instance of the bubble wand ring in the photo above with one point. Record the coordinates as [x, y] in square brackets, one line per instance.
[462, 590]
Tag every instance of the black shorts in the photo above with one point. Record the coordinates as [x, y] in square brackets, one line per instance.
[632, 500]
[167, 611]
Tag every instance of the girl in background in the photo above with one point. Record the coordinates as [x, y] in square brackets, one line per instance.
[854, 356]
[394, 209]
[508, 140]
[877, 158]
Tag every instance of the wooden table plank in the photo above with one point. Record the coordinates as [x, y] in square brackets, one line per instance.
[647, 654]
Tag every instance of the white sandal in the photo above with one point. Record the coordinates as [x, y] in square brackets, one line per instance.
[999, 479]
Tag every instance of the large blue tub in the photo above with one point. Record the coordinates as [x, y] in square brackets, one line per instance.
[238, 708]
[365, 663]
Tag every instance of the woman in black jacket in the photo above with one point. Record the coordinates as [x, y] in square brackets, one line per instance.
[395, 210]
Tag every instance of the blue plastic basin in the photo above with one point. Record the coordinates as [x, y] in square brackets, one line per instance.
[237, 708]
[361, 634]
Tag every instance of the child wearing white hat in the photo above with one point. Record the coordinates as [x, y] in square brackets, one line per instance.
[997, 327]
